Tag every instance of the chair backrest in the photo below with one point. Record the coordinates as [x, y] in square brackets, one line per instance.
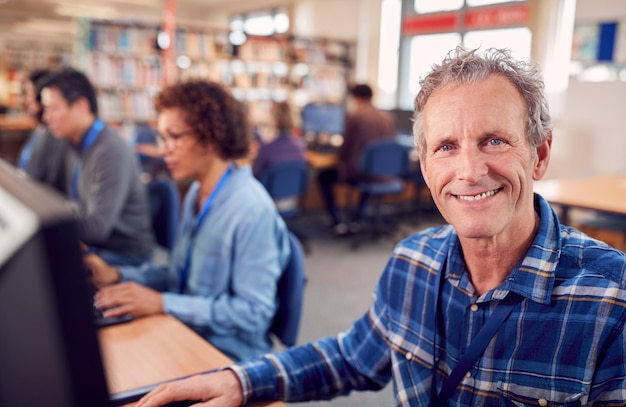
[384, 158]
[290, 296]
[285, 180]
[165, 210]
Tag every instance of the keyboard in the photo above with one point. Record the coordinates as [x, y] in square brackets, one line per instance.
[130, 396]
[101, 321]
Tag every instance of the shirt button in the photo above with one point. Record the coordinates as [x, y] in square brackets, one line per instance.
[542, 402]
[408, 356]
[468, 374]
[474, 307]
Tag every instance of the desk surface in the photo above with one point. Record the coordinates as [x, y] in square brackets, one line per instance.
[605, 193]
[154, 349]
[320, 160]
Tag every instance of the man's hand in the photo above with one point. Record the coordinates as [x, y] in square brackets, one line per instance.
[101, 273]
[129, 298]
[221, 389]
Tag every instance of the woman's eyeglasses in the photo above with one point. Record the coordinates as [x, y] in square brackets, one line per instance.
[171, 140]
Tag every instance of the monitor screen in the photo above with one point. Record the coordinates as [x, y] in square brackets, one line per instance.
[323, 118]
[49, 350]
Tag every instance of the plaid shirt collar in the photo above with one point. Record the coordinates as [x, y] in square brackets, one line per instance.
[533, 277]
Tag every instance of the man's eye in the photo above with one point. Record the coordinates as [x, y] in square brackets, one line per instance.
[496, 142]
[446, 147]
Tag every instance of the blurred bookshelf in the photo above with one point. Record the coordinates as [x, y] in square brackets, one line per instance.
[17, 60]
[126, 66]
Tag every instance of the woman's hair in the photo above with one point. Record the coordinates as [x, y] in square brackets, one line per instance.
[463, 66]
[217, 118]
[36, 78]
[282, 116]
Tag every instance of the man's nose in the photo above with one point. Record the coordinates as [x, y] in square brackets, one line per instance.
[471, 165]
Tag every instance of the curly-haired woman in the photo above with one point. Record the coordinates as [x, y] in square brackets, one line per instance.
[232, 244]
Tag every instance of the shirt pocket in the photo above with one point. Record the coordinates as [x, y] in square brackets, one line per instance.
[518, 396]
[210, 268]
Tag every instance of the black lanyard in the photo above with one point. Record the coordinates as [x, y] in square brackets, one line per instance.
[477, 346]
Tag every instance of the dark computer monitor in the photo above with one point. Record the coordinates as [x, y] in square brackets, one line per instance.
[49, 352]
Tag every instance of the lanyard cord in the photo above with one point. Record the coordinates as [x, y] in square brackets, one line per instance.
[476, 347]
[85, 144]
[204, 211]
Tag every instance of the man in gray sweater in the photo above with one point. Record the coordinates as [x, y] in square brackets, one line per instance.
[102, 172]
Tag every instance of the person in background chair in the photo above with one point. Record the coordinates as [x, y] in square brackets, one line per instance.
[101, 172]
[556, 298]
[363, 125]
[285, 147]
[42, 154]
[232, 246]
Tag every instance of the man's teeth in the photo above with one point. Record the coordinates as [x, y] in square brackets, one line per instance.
[477, 197]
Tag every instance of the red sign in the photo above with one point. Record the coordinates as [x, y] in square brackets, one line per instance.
[431, 23]
[497, 17]
[481, 18]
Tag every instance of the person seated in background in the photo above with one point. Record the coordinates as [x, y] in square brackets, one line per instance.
[285, 147]
[101, 172]
[484, 134]
[363, 125]
[233, 245]
[42, 154]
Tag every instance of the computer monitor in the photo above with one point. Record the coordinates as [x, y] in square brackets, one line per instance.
[49, 351]
[323, 118]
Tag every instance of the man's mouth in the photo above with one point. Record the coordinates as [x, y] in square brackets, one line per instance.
[478, 197]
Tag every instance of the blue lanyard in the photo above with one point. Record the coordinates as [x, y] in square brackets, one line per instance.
[204, 211]
[85, 144]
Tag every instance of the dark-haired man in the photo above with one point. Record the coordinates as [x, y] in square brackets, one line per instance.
[102, 173]
[363, 125]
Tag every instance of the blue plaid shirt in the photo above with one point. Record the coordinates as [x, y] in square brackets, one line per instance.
[562, 345]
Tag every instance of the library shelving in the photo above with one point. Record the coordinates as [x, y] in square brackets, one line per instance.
[125, 64]
[18, 59]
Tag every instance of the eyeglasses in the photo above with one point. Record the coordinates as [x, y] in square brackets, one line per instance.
[171, 140]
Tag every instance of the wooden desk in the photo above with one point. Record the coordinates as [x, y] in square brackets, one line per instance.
[153, 349]
[606, 194]
[319, 160]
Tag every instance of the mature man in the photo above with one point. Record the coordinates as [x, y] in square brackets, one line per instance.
[503, 306]
[102, 172]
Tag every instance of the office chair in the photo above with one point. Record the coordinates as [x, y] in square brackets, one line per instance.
[290, 294]
[286, 183]
[384, 164]
[165, 210]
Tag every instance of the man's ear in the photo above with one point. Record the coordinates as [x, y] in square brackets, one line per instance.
[543, 157]
[82, 104]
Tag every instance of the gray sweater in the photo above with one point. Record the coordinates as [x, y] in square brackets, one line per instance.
[113, 202]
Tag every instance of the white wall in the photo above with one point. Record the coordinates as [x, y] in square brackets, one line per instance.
[591, 136]
[351, 20]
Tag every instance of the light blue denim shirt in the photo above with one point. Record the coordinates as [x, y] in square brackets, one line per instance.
[239, 252]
